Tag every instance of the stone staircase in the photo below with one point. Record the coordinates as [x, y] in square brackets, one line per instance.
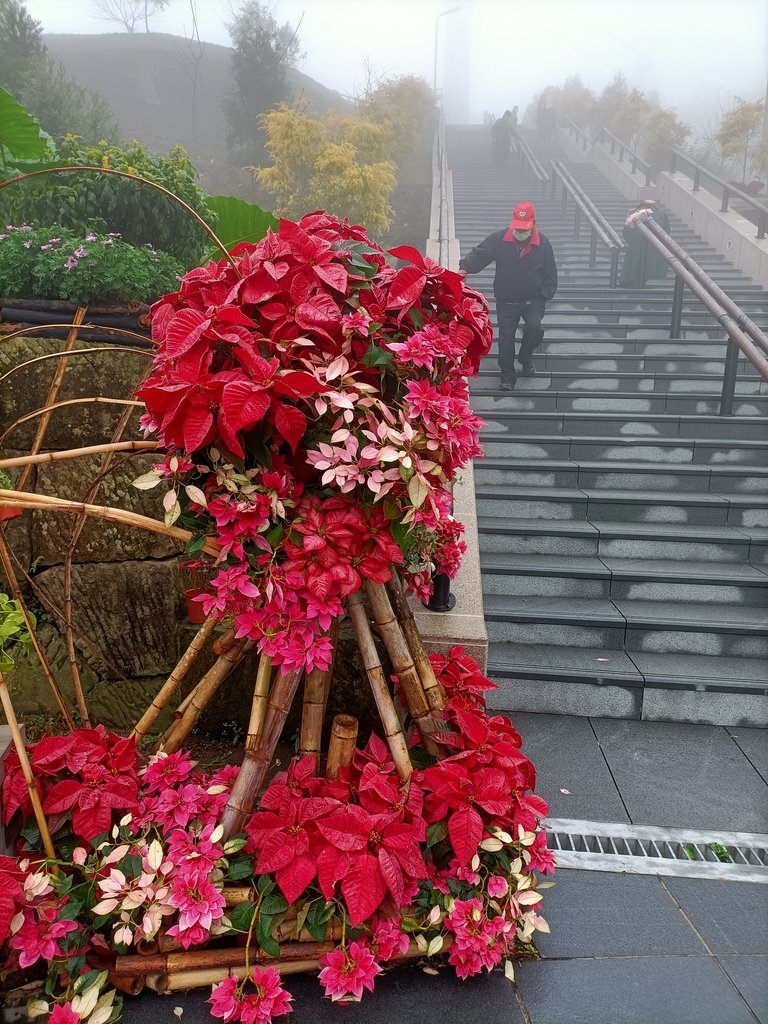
[623, 524]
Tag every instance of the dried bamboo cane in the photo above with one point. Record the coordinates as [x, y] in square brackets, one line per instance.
[259, 704]
[387, 712]
[182, 981]
[52, 395]
[433, 690]
[341, 746]
[26, 767]
[197, 959]
[161, 698]
[403, 664]
[13, 583]
[91, 400]
[224, 642]
[78, 453]
[51, 503]
[317, 686]
[258, 755]
[206, 688]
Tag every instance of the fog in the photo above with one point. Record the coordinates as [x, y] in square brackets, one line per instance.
[696, 55]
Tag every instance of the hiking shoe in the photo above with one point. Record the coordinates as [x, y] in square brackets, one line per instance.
[528, 370]
[507, 385]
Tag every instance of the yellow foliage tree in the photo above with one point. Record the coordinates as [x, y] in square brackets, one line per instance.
[406, 103]
[339, 164]
[738, 135]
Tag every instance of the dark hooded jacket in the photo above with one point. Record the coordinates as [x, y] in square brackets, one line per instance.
[523, 270]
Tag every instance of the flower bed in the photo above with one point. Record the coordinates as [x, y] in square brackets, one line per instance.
[357, 870]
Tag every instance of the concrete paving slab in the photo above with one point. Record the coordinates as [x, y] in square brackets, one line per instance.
[754, 744]
[642, 990]
[402, 994]
[594, 913]
[731, 917]
[566, 754]
[688, 776]
[750, 976]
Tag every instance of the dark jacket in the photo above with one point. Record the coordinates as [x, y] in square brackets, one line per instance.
[521, 273]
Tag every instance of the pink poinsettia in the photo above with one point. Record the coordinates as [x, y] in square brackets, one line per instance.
[230, 1001]
[40, 937]
[62, 1013]
[200, 905]
[347, 971]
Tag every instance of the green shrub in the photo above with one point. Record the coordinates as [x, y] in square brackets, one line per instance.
[104, 202]
[91, 269]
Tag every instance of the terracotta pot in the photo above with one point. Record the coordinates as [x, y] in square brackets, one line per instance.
[195, 575]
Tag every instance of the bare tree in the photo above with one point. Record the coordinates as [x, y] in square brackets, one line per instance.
[190, 59]
[129, 13]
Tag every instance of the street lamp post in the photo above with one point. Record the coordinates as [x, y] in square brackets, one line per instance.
[442, 14]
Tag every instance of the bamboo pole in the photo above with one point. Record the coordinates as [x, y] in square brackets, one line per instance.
[161, 698]
[341, 746]
[224, 642]
[204, 692]
[13, 583]
[26, 767]
[259, 704]
[147, 353]
[403, 664]
[317, 686]
[78, 453]
[51, 503]
[91, 400]
[97, 328]
[433, 691]
[258, 757]
[165, 984]
[387, 712]
[53, 392]
[195, 959]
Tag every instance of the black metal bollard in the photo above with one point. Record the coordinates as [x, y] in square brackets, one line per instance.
[442, 599]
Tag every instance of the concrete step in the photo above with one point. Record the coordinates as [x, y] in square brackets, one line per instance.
[595, 476]
[646, 425]
[614, 382]
[529, 395]
[648, 541]
[624, 579]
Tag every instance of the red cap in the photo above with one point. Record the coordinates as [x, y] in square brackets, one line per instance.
[523, 217]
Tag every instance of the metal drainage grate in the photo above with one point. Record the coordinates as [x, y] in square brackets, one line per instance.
[650, 850]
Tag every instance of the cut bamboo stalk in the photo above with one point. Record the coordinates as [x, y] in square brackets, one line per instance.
[26, 767]
[254, 768]
[403, 664]
[205, 690]
[131, 986]
[13, 583]
[259, 705]
[161, 698]
[378, 682]
[341, 746]
[52, 395]
[51, 503]
[78, 453]
[165, 984]
[147, 353]
[197, 959]
[224, 642]
[433, 691]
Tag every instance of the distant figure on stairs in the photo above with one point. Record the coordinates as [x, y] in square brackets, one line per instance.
[641, 261]
[503, 131]
[525, 280]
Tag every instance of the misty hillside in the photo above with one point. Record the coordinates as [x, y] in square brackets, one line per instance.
[147, 80]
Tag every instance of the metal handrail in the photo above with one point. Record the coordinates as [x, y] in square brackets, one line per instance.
[581, 135]
[535, 165]
[727, 189]
[600, 227]
[743, 334]
[637, 161]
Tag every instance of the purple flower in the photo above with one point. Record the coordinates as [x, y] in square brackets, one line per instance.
[44, 248]
[53, 241]
[80, 252]
[27, 245]
[115, 234]
[2, 237]
[71, 263]
[90, 238]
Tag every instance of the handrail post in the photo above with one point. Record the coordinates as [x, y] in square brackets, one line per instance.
[761, 225]
[564, 201]
[577, 221]
[696, 180]
[677, 307]
[729, 378]
[593, 250]
[724, 204]
[614, 267]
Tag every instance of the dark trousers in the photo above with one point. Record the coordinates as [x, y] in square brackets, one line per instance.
[508, 316]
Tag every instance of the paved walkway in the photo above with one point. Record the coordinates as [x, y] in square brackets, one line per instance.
[624, 949]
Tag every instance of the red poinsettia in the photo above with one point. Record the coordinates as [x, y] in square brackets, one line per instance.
[460, 794]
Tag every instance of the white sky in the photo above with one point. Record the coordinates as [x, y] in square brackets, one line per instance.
[698, 54]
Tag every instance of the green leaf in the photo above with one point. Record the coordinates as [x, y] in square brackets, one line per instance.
[436, 833]
[241, 916]
[239, 868]
[265, 938]
[238, 221]
[20, 133]
[376, 356]
[265, 885]
[195, 544]
[317, 920]
[273, 904]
